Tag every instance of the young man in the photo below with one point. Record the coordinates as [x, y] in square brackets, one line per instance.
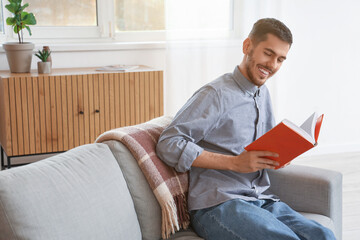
[228, 192]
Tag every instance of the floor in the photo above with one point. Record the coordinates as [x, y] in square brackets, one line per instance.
[349, 165]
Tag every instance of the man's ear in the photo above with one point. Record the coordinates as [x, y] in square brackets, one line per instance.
[247, 45]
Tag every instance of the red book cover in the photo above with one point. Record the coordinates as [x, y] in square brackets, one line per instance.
[285, 140]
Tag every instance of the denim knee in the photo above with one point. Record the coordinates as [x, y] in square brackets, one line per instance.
[197, 226]
[204, 224]
[324, 233]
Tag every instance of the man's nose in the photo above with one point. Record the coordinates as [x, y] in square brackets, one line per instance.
[273, 64]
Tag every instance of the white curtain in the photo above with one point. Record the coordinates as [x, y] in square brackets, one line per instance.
[204, 41]
[200, 47]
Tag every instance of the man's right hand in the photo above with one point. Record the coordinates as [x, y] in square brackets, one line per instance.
[253, 161]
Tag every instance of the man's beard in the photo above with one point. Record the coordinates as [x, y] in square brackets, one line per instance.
[250, 64]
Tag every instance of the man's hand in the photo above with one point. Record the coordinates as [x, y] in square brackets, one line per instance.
[253, 161]
[246, 162]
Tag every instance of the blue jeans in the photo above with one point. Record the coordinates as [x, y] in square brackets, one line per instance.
[261, 219]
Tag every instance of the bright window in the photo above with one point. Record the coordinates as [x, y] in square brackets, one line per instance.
[199, 15]
[139, 15]
[64, 12]
[200, 19]
[124, 20]
[67, 19]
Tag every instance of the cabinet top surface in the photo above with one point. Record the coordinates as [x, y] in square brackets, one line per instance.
[71, 71]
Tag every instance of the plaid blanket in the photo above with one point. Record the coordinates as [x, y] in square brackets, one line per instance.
[169, 187]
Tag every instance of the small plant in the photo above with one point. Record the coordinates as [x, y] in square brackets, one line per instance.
[43, 55]
[20, 19]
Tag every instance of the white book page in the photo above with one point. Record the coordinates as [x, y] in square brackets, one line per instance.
[299, 130]
[309, 124]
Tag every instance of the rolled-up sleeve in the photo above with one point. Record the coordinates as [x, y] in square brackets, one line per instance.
[177, 145]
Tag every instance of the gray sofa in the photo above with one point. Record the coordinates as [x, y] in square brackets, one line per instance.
[97, 191]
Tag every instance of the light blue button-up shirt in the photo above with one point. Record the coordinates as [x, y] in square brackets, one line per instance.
[224, 116]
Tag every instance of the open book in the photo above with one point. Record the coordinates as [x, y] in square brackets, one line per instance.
[289, 140]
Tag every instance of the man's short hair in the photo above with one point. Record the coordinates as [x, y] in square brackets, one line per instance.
[270, 25]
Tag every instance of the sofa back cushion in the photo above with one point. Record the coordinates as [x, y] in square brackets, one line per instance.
[147, 207]
[80, 194]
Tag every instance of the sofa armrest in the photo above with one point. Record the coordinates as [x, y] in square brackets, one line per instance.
[309, 189]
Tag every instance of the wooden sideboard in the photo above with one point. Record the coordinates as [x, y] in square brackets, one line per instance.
[47, 113]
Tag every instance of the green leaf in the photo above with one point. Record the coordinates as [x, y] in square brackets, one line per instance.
[28, 28]
[12, 7]
[39, 57]
[16, 30]
[23, 15]
[28, 18]
[10, 21]
[23, 7]
[15, 1]
[43, 55]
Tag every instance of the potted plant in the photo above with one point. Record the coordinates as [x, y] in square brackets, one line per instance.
[44, 66]
[19, 54]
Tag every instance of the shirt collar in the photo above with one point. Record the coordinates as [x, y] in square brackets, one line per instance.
[245, 84]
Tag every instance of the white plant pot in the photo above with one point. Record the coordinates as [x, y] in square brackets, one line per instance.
[19, 56]
[44, 67]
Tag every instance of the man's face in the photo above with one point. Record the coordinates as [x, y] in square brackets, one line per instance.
[263, 60]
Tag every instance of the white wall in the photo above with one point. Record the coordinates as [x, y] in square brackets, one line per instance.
[100, 54]
[322, 73]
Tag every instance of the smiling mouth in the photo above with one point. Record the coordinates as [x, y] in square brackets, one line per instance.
[264, 72]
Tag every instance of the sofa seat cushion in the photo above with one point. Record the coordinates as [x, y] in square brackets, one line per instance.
[79, 194]
[323, 220]
[191, 235]
[188, 234]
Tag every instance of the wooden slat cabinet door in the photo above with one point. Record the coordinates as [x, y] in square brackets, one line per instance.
[7, 101]
[48, 113]
[29, 114]
[87, 109]
[122, 99]
[78, 122]
[57, 112]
